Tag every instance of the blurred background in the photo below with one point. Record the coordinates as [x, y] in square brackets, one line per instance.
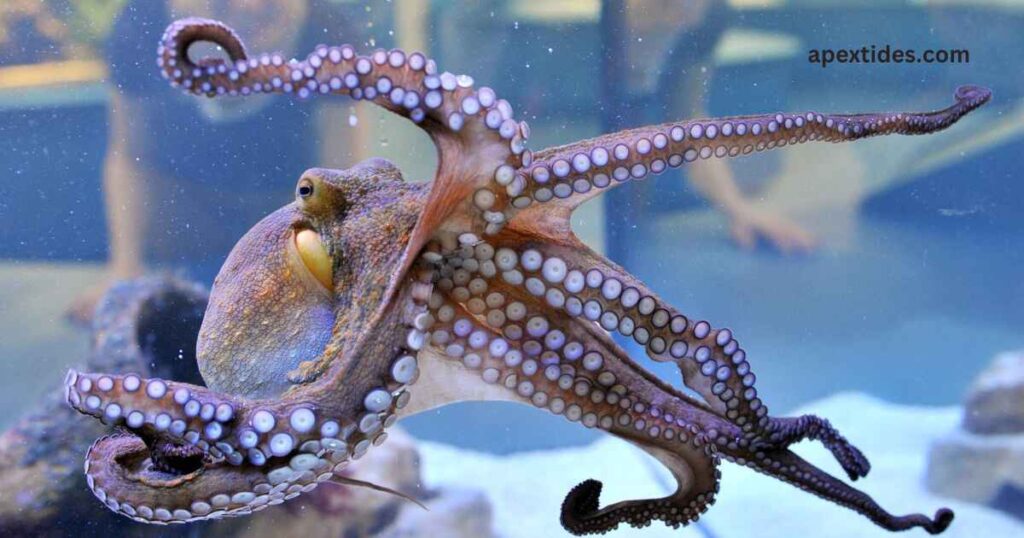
[891, 266]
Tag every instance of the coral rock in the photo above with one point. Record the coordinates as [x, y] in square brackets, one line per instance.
[983, 459]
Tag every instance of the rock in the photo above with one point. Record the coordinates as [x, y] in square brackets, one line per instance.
[982, 461]
[1009, 499]
[139, 326]
[995, 403]
[973, 467]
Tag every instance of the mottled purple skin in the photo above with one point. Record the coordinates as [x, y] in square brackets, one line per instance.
[471, 287]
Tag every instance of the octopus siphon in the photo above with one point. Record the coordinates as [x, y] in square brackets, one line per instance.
[369, 299]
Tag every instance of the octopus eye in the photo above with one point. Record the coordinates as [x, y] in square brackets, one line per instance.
[314, 257]
[305, 189]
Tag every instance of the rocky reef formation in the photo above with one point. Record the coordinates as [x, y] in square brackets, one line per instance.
[982, 461]
[149, 326]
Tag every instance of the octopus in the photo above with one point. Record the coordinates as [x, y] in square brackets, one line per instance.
[369, 299]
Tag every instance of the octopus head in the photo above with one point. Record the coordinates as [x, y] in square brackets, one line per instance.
[296, 290]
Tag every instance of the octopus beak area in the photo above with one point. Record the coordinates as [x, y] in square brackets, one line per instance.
[270, 309]
[188, 453]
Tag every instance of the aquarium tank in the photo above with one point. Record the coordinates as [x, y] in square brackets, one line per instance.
[521, 268]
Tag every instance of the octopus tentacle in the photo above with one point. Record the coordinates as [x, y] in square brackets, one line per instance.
[475, 133]
[407, 84]
[574, 173]
[507, 291]
[251, 453]
[711, 361]
[697, 476]
[122, 475]
[786, 431]
[789, 467]
[221, 426]
[570, 367]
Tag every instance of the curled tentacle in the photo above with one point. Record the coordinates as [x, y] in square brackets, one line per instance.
[697, 479]
[191, 453]
[579, 171]
[475, 133]
[122, 474]
[406, 84]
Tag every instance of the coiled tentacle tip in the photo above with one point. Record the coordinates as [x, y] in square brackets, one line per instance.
[943, 517]
[581, 502]
[975, 95]
[934, 525]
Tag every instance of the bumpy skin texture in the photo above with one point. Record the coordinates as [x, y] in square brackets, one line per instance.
[471, 287]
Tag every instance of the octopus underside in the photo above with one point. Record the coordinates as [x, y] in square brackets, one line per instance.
[369, 299]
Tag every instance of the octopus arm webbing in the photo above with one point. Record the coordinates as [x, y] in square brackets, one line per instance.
[573, 173]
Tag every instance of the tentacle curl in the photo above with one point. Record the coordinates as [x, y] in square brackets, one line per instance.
[189, 453]
[476, 136]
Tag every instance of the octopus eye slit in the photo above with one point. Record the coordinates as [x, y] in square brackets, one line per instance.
[305, 189]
